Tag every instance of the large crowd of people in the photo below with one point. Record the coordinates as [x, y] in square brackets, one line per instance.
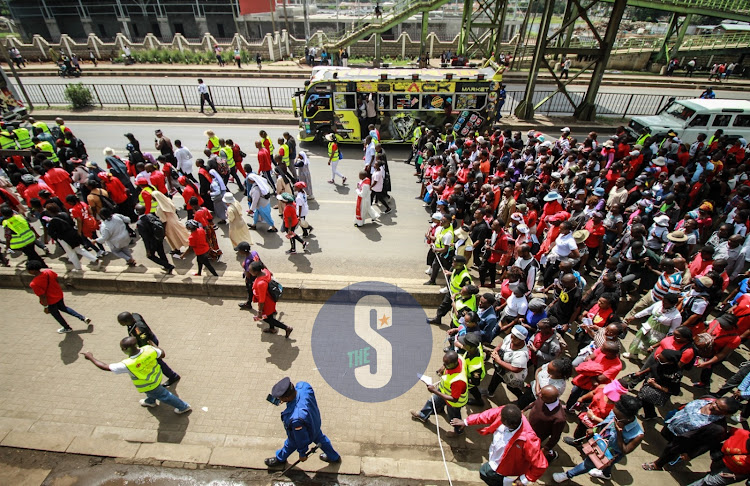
[550, 252]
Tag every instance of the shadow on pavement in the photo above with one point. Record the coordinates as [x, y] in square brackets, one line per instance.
[71, 346]
[282, 352]
[172, 427]
[301, 262]
[371, 231]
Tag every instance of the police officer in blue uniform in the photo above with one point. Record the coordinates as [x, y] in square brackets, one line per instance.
[302, 423]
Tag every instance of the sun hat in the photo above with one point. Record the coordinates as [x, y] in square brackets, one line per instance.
[677, 236]
[552, 196]
[581, 235]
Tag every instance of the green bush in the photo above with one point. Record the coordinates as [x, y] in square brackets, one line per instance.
[79, 96]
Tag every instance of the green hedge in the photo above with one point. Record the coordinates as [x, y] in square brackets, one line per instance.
[175, 56]
[79, 96]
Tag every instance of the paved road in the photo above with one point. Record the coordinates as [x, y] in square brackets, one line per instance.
[338, 247]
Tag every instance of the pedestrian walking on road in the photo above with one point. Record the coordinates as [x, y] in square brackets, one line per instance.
[199, 244]
[114, 232]
[184, 161]
[291, 220]
[334, 157]
[142, 364]
[144, 336]
[266, 302]
[452, 390]
[47, 288]
[265, 165]
[302, 164]
[302, 422]
[300, 199]
[152, 234]
[205, 96]
[19, 235]
[238, 230]
[259, 199]
[259, 61]
[238, 58]
[176, 234]
[248, 256]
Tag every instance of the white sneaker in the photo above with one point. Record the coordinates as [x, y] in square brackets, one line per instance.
[444, 290]
[144, 403]
[597, 473]
[180, 412]
[626, 355]
[64, 330]
[428, 271]
[560, 477]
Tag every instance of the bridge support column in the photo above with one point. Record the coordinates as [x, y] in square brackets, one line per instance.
[463, 36]
[525, 109]
[376, 61]
[661, 56]
[587, 109]
[681, 35]
[423, 40]
[500, 28]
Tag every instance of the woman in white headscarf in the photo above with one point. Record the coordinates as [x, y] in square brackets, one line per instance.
[259, 194]
[176, 233]
[238, 231]
[303, 172]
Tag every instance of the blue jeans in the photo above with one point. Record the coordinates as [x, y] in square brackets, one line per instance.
[587, 465]
[264, 213]
[325, 445]
[58, 307]
[165, 396]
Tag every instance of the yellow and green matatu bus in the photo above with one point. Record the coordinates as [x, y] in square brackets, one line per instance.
[331, 101]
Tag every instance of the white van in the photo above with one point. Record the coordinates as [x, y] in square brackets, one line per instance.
[690, 117]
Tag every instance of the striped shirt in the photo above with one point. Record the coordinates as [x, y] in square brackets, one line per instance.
[666, 284]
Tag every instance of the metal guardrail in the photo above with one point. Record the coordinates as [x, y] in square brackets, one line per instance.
[279, 98]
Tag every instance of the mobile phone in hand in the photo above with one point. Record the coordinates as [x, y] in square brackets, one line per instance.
[272, 399]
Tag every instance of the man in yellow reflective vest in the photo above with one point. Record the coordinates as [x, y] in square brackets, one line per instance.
[143, 367]
[37, 124]
[443, 249]
[458, 278]
[19, 235]
[452, 390]
[7, 141]
[475, 369]
[23, 138]
[227, 152]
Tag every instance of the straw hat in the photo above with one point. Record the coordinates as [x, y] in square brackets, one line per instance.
[581, 235]
[108, 151]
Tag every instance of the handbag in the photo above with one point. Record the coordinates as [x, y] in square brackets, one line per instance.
[597, 450]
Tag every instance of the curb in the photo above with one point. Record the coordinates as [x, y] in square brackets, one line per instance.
[297, 287]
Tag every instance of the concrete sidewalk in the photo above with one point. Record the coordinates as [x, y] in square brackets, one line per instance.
[52, 399]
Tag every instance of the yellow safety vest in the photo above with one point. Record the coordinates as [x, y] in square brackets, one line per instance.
[47, 147]
[417, 134]
[439, 237]
[447, 380]
[154, 204]
[474, 364]
[285, 157]
[457, 278]
[23, 137]
[41, 125]
[642, 139]
[214, 145]
[229, 155]
[270, 144]
[22, 235]
[470, 303]
[65, 135]
[145, 370]
[334, 156]
[6, 141]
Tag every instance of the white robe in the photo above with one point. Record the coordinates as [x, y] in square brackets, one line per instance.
[364, 210]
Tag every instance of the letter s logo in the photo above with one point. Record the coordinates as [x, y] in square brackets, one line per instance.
[366, 312]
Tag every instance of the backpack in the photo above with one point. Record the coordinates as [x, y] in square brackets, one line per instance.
[156, 226]
[107, 202]
[223, 168]
[275, 289]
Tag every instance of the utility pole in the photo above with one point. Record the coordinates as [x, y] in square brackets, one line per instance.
[286, 18]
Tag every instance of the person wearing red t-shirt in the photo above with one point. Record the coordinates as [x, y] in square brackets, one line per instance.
[607, 360]
[264, 163]
[596, 230]
[47, 288]
[58, 179]
[199, 244]
[158, 180]
[266, 304]
[189, 192]
[726, 339]
[733, 466]
[291, 220]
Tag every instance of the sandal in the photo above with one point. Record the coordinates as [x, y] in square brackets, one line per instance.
[650, 466]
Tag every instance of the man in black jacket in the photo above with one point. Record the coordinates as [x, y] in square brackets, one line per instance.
[143, 335]
[151, 230]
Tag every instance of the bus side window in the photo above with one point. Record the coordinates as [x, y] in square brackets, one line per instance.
[345, 101]
[722, 120]
[316, 103]
[742, 121]
[699, 121]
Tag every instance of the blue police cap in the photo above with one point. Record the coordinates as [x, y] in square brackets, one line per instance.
[281, 388]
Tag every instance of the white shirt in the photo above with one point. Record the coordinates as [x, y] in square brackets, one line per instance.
[516, 306]
[545, 380]
[301, 201]
[564, 245]
[120, 368]
[378, 178]
[202, 88]
[370, 154]
[516, 358]
[500, 439]
[184, 160]
[528, 264]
